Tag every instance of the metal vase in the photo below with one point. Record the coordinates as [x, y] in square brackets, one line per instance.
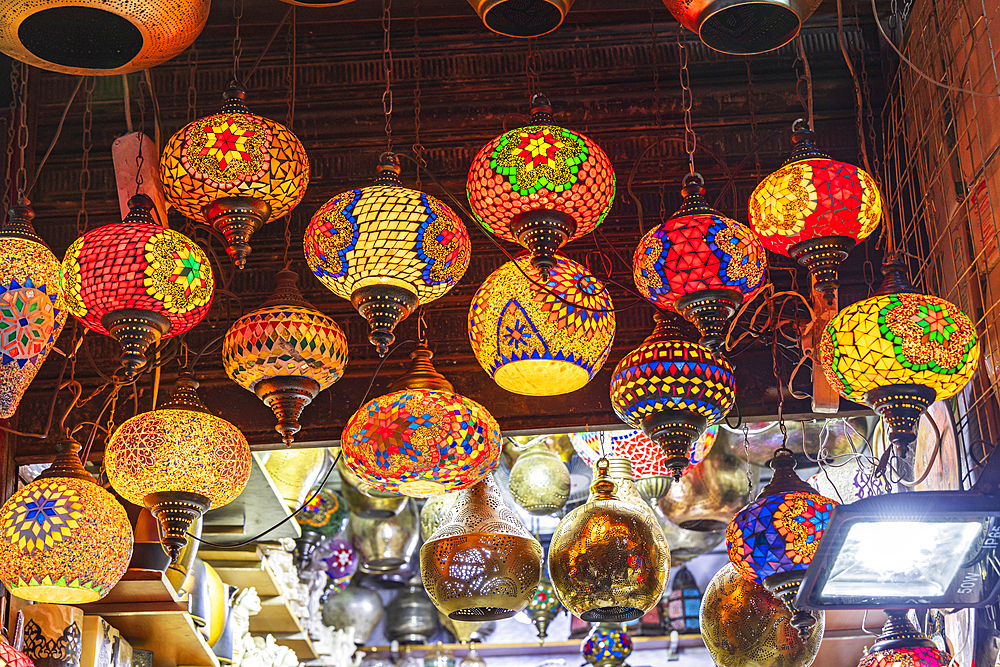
[354, 607]
[411, 617]
[365, 502]
[384, 545]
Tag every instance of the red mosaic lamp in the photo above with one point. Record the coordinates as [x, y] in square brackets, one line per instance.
[541, 186]
[901, 644]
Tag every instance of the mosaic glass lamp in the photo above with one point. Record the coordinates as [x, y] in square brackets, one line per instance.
[322, 517]
[672, 389]
[815, 209]
[541, 186]
[541, 341]
[387, 249]
[774, 538]
[544, 607]
[286, 352]
[136, 281]
[607, 645]
[700, 263]
[12, 657]
[234, 171]
[32, 312]
[482, 564]
[342, 562]
[901, 644]
[65, 539]
[684, 603]
[178, 461]
[899, 351]
[421, 439]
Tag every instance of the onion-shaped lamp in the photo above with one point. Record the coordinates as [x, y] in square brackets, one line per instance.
[700, 263]
[815, 209]
[342, 562]
[899, 351]
[234, 171]
[32, 312]
[65, 540]
[608, 558]
[672, 389]
[541, 337]
[774, 538]
[324, 516]
[178, 461]
[607, 645]
[136, 281]
[286, 352]
[539, 480]
[544, 607]
[541, 186]
[518, 18]
[901, 643]
[482, 564]
[387, 249]
[421, 439]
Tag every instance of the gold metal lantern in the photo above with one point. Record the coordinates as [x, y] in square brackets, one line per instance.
[743, 27]
[539, 480]
[522, 18]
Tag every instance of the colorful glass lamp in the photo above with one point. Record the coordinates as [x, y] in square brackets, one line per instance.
[286, 352]
[544, 607]
[342, 562]
[672, 389]
[607, 645]
[323, 516]
[178, 461]
[700, 264]
[541, 186]
[899, 351]
[136, 281]
[65, 540]
[387, 249]
[32, 312]
[901, 644]
[421, 439]
[234, 171]
[815, 209]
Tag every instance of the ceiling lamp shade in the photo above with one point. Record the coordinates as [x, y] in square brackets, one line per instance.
[544, 607]
[387, 249]
[323, 516]
[774, 538]
[743, 28]
[286, 352]
[421, 439]
[234, 171]
[539, 480]
[901, 644]
[899, 351]
[672, 389]
[700, 263]
[136, 281]
[541, 186]
[178, 461]
[522, 18]
[32, 312]
[541, 336]
[815, 209]
[65, 540]
[99, 38]
[482, 564]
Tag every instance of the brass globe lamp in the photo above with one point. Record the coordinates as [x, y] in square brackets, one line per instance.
[539, 480]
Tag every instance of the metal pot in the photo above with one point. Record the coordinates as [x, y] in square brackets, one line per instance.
[364, 501]
[384, 545]
[353, 607]
[411, 617]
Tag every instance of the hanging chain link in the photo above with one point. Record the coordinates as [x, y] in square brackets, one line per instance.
[777, 373]
[532, 67]
[82, 217]
[687, 102]
[746, 450]
[387, 69]
[15, 77]
[418, 148]
[237, 40]
[752, 107]
[139, 159]
[291, 74]
[662, 185]
[21, 177]
[192, 90]
[603, 439]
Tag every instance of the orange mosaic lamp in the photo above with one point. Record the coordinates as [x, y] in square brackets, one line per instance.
[541, 186]
[899, 351]
[234, 171]
[65, 540]
[178, 461]
[901, 644]
[286, 352]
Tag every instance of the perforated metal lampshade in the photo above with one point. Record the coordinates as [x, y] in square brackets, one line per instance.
[522, 18]
[740, 27]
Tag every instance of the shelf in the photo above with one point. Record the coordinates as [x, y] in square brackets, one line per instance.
[570, 646]
[275, 617]
[300, 643]
[258, 577]
[138, 587]
[259, 507]
[165, 628]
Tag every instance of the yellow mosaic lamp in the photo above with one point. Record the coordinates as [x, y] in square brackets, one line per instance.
[65, 540]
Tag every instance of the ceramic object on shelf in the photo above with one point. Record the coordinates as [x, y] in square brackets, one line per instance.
[472, 658]
[439, 656]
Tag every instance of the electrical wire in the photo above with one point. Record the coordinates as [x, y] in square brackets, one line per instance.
[52, 144]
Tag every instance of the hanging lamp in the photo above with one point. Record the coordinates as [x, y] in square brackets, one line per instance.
[325, 516]
[482, 564]
[421, 439]
[815, 209]
[672, 389]
[234, 171]
[387, 249]
[684, 603]
[342, 562]
[774, 538]
[32, 311]
[901, 644]
[541, 186]
[541, 337]
[743, 27]
[178, 461]
[286, 352]
[899, 351]
[607, 645]
[539, 480]
[700, 263]
[136, 281]
[543, 607]
[522, 18]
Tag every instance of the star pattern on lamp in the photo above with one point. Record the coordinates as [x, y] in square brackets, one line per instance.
[46, 514]
[936, 322]
[27, 319]
[222, 143]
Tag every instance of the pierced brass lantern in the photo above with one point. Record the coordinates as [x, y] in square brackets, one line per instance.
[539, 480]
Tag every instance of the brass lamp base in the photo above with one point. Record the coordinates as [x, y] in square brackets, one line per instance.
[543, 232]
[384, 306]
[541, 619]
[675, 431]
[135, 329]
[900, 407]
[785, 586]
[710, 311]
[176, 511]
[822, 256]
[237, 218]
[286, 396]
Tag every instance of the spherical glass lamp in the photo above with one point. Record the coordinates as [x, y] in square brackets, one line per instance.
[136, 281]
[541, 337]
[672, 389]
[421, 439]
[234, 171]
[815, 209]
[541, 186]
[699, 263]
[323, 516]
[342, 562]
[65, 540]
[607, 645]
[32, 311]
[543, 607]
[899, 351]
[387, 249]
[901, 644]
[286, 352]
[178, 461]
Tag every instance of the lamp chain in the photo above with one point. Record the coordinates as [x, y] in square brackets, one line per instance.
[82, 217]
[192, 90]
[603, 439]
[11, 135]
[752, 107]
[532, 66]
[746, 450]
[237, 41]
[139, 160]
[777, 374]
[662, 186]
[421, 327]
[687, 101]
[387, 69]
[805, 77]
[291, 77]
[418, 148]
[21, 177]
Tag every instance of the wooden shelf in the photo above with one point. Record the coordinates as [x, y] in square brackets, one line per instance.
[165, 628]
[570, 646]
[275, 617]
[300, 643]
[244, 577]
[256, 509]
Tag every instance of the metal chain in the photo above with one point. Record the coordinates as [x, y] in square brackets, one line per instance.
[387, 69]
[746, 450]
[867, 94]
[15, 76]
[288, 240]
[687, 101]
[662, 185]
[532, 66]
[291, 75]
[777, 373]
[139, 159]
[21, 177]
[418, 148]
[752, 106]
[192, 91]
[237, 41]
[82, 217]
